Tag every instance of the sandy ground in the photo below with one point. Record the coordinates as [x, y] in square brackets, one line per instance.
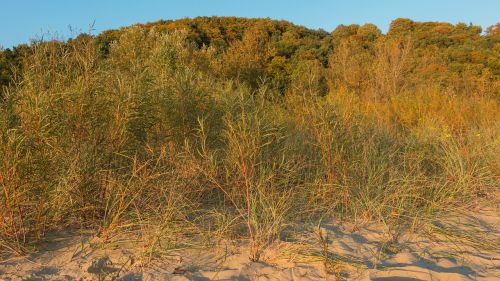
[450, 250]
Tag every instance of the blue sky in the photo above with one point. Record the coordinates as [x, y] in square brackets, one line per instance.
[21, 20]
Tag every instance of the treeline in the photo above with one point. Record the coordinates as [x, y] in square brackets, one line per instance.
[458, 58]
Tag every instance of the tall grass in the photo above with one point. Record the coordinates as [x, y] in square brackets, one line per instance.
[148, 142]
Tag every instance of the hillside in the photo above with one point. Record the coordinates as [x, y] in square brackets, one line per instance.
[198, 133]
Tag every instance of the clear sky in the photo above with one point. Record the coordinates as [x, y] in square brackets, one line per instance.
[21, 20]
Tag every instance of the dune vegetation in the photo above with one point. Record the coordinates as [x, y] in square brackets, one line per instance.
[209, 128]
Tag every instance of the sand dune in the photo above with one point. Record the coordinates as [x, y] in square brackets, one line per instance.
[352, 252]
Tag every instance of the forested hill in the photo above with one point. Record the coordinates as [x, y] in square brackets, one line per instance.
[176, 132]
[461, 57]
